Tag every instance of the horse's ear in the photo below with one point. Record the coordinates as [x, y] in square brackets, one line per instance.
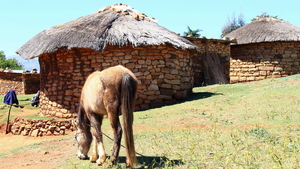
[74, 124]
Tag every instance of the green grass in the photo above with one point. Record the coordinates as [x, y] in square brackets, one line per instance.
[244, 125]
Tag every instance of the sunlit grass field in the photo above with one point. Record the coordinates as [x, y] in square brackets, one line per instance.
[244, 125]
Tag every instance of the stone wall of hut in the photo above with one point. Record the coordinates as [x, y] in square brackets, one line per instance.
[20, 82]
[209, 47]
[165, 75]
[252, 62]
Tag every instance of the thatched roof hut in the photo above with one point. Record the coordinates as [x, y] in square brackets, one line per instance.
[266, 30]
[264, 48]
[119, 25]
[114, 35]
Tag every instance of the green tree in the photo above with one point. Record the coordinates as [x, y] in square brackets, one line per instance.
[263, 15]
[9, 63]
[232, 24]
[192, 33]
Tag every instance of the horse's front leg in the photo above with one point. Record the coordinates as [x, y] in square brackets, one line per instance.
[117, 130]
[94, 155]
[98, 154]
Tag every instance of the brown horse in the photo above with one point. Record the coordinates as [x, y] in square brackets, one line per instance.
[111, 92]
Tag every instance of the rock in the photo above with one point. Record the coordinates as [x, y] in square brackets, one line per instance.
[153, 87]
[52, 129]
[180, 94]
[35, 133]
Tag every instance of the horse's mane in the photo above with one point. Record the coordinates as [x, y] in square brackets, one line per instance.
[82, 121]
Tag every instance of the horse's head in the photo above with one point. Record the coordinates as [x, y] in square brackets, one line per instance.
[84, 140]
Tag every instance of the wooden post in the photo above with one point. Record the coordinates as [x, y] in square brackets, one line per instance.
[6, 130]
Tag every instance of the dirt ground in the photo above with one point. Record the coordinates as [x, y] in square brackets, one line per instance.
[52, 150]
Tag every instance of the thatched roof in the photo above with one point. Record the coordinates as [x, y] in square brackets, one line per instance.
[118, 26]
[266, 30]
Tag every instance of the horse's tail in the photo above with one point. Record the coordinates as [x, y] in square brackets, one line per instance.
[128, 95]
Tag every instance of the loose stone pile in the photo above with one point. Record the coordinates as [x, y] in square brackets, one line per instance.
[35, 128]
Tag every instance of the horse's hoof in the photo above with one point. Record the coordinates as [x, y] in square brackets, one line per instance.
[100, 162]
[93, 158]
[113, 160]
[82, 157]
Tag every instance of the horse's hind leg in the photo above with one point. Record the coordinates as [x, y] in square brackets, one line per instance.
[98, 147]
[117, 129]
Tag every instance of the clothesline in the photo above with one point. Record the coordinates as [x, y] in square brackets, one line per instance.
[24, 104]
[11, 99]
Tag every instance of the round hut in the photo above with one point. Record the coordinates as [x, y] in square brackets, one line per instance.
[265, 48]
[114, 35]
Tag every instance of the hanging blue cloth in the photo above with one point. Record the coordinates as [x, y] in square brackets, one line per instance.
[10, 98]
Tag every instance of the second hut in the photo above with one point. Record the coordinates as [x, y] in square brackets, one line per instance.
[265, 48]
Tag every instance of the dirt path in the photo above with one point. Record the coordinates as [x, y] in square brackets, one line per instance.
[47, 155]
[10, 141]
[52, 150]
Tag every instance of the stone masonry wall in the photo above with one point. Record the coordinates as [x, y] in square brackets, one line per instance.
[21, 83]
[258, 61]
[31, 83]
[165, 75]
[220, 47]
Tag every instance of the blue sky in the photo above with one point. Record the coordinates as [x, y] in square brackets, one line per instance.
[22, 19]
